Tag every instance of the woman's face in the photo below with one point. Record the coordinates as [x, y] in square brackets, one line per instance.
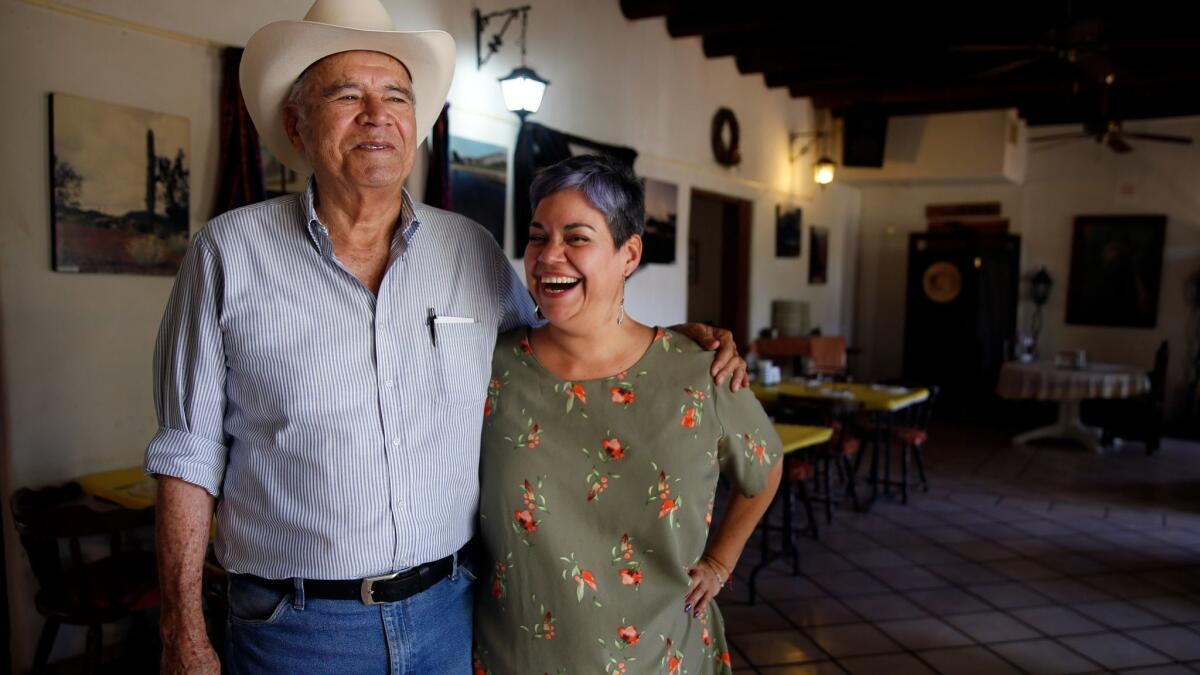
[571, 265]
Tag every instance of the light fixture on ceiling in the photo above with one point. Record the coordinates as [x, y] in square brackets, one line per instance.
[523, 88]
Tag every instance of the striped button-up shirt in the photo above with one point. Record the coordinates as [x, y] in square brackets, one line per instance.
[342, 442]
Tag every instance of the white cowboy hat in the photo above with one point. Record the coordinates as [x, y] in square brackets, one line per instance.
[279, 52]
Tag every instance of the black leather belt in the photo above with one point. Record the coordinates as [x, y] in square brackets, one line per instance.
[372, 590]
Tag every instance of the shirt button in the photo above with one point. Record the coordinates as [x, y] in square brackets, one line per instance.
[389, 384]
[396, 441]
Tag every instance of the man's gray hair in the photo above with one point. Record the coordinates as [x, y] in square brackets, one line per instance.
[609, 186]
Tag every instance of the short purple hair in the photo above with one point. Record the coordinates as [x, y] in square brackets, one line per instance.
[609, 186]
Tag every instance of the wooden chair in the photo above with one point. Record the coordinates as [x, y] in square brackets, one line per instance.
[837, 454]
[77, 589]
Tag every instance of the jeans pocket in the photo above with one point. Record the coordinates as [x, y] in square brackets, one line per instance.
[251, 604]
[466, 572]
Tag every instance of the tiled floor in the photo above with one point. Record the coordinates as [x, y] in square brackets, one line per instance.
[1035, 560]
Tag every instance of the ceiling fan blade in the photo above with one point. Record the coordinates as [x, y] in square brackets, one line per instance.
[1165, 138]
[1117, 145]
[1057, 137]
[1005, 68]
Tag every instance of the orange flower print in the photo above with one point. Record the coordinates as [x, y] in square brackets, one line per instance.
[532, 437]
[500, 578]
[705, 637]
[477, 665]
[708, 513]
[630, 568]
[573, 391]
[695, 393]
[629, 635]
[526, 521]
[756, 449]
[523, 347]
[661, 492]
[622, 396]
[542, 628]
[597, 484]
[725, 659]
[613, 447]
[664, 337]
[493, 396]
[583, 579]
[689, 419]
[673, 659]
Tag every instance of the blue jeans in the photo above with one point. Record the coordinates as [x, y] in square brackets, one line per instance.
[273, 631]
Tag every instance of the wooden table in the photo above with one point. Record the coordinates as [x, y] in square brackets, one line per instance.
[880, 402]
[129, 487]
[795, 437]
[1069, 386]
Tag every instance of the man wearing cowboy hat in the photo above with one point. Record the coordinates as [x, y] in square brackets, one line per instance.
[321, 367]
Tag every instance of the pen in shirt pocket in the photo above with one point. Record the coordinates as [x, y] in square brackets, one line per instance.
[434, 320]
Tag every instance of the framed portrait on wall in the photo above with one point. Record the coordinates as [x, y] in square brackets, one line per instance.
[1116, 270]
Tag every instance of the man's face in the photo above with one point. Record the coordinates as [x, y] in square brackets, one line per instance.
[356, 119]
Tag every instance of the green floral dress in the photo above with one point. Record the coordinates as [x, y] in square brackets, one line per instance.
[595, 496]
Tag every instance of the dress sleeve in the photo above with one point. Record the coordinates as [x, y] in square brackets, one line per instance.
[749, 447]
[189, 376]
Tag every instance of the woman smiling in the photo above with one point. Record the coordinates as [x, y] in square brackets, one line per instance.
[602, 445]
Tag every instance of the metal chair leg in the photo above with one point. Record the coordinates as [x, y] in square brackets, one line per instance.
[920, 455]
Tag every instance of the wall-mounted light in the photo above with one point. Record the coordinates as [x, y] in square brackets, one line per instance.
[824, 168]
[823, 171]
[522, 89]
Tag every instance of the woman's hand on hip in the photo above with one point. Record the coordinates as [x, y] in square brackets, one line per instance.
[707, 578]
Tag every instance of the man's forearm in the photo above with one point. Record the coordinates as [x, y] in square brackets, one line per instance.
[182, 522]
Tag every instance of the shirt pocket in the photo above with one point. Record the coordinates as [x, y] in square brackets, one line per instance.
[463, 362]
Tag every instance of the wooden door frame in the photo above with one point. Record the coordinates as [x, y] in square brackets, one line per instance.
[735, 297]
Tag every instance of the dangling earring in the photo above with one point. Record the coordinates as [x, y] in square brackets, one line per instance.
[621, 307]
[537, 311]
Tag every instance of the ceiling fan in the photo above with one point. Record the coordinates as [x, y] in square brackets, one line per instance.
[1107, 130]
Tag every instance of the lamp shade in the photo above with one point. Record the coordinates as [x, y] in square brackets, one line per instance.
[523, 91]
[823, 171]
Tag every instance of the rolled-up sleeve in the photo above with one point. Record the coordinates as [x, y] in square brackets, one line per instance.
[516, 306]
[189, 375]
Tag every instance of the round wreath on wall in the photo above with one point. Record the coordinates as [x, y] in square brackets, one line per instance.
[725, 151]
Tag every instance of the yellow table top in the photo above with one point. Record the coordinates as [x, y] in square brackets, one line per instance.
[130, 487]
[797, 436]
[872, 396]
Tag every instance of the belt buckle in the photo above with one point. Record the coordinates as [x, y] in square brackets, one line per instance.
[367, 591]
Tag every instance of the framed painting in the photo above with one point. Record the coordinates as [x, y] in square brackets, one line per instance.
[1116, 270]
[662, 211]
[478, 183]
[118, 186]
[787, 232]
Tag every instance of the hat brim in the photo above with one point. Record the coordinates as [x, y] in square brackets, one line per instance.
[279, 52]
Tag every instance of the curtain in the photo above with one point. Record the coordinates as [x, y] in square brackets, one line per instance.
[538, 147]
[239, 172]
[437, 181]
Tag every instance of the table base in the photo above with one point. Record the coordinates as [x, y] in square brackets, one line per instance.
[1068, 426]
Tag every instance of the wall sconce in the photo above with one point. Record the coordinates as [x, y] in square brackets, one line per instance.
[522, 89]
[823, 171]
[1039, 290]
[824, 168]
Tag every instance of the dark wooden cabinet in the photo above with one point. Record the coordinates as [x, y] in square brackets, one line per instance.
[961, 309]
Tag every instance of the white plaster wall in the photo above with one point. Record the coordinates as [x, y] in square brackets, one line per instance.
[77, 348]
[1063, 180]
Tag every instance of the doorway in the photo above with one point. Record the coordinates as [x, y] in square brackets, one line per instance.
[719, 263]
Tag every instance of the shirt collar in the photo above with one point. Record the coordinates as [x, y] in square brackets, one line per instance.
[319, 234]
